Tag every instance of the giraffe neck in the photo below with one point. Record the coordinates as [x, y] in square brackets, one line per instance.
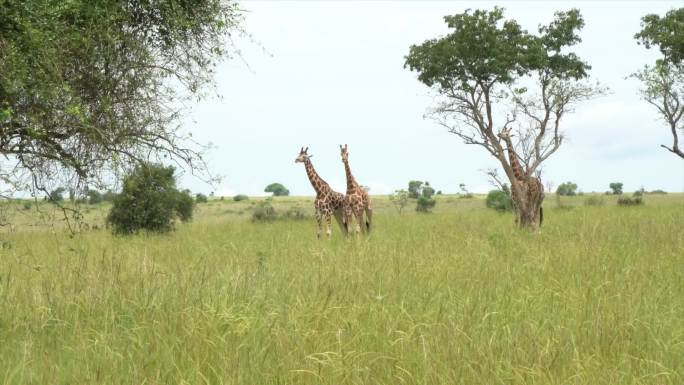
[513, 158]
[351, 182]
[318, 184]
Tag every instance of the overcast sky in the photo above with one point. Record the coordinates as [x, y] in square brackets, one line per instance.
[319, 74]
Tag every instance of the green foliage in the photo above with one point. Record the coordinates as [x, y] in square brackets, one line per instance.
[594, 200]
[464, 194]
[184, 206]
[627, 201]
[658, 192]
[85, 86]
[240, 197]
[149, 201]
[295, 212]
[264, 212]
[666, 33]
[277, 189]
[425, 204]
[57, 195]
[94, 197]
[27, 205]
[499, 200]
[616, 188]
[427, 191]
[399, 199]
[485, 48]
[414, 188]
[567, 189]
[201, 198]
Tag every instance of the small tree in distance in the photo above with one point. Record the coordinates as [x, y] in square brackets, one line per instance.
[399, 199]
[567, 189]
[277, 189]
[616, 188]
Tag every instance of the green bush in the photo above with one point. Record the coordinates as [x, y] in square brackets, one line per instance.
[149, 201]
[240, 197]
[27, 205]
[499, 200]
[659, 192]
[57, 195]
[185, 205]
[595, 200]
[201, 198]
[94, 197]
[295, 212]
[425, 204]
[567, 188]
[627, 201]
[264, 212]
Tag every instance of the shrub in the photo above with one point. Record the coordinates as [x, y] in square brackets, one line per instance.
[149, 201]
[277, 189]
[27, 205]
[295, 212]
[595, 200]
[264, 212]
[639, 193]
[427, 191]
[464, 194]
[567, 188]
[627, 201]
[239, 197]
[399, 199]
[94, 197]
[425, 204]
[201, 198]
[499, 200]
[57, 195]
[660, 192]
[185, 205]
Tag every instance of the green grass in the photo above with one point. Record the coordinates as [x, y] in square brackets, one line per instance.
[455, 297]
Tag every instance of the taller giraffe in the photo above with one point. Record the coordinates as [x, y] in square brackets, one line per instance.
[328, 203]
[531, 186]
[357, 200]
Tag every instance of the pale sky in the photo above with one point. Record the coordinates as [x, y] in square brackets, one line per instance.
[320, 74]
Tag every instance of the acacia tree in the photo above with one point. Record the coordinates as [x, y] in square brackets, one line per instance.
[663, 83]
[91, 88]
[492, 76]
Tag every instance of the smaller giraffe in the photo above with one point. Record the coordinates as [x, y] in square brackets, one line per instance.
[530, 185]
[357, 200]
[328, 202]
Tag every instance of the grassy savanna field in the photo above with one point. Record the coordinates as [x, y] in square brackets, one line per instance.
[459, 296]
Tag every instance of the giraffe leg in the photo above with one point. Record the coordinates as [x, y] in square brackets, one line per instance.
[328, 226]
[319, 221]
[359, 219]
[339, 214]
[369, 217]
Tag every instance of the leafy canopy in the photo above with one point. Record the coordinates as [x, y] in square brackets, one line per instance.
[666, 33]
[485, 49]
[88, 88]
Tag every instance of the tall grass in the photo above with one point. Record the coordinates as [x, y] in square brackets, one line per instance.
[455, 297]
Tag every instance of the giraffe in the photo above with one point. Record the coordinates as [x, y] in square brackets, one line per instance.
[531, 186]
[328, 203]
[357, 200]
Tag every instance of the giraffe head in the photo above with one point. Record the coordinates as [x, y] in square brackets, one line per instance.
[303, 156]
[344, 152]
[505, 133]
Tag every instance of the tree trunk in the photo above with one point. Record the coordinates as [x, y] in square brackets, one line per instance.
[527, 206]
